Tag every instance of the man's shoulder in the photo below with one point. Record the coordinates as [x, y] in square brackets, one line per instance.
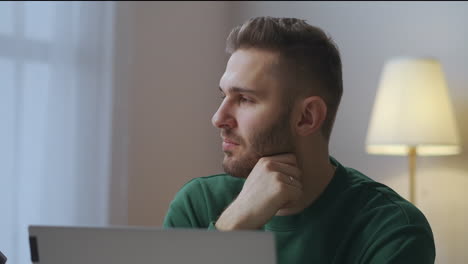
[216, 182]
[213, 188]
[378, 201]
[200, 200]
[381, 220]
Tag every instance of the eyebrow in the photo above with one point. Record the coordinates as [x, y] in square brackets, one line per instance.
[236, 89]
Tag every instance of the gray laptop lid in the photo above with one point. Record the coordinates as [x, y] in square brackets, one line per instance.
[3, 259]
[125, 245]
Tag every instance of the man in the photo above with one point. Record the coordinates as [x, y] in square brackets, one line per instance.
[280, 94]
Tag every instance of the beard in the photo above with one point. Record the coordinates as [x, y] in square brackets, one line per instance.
[271, 140]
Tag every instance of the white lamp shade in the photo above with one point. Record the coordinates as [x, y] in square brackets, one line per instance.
[412, 109]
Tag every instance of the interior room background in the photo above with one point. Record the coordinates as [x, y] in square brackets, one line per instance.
[105, 107]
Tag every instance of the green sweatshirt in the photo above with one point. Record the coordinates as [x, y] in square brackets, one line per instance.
[355, 220]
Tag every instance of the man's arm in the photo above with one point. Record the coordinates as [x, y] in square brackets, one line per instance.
[267, 189]
[275, 182]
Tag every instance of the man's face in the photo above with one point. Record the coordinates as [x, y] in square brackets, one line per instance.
[253, 116]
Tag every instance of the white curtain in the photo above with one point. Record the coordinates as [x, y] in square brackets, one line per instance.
[55, 117]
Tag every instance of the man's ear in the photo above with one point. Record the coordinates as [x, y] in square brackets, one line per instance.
[312, 113]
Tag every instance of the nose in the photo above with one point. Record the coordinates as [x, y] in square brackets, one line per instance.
[223, 118]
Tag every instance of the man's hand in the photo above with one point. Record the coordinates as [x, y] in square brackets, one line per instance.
[274, 183]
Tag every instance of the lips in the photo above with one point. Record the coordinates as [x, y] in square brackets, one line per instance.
[229, 145]
[228, 141]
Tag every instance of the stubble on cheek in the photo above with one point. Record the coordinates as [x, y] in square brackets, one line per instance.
[240, 164]
[269, 141]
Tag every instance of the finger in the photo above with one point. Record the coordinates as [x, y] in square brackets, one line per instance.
[291, 181]
[283, 168]
[289, 170]
[288, 158]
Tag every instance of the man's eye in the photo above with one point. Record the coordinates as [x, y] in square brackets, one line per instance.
[245, 100]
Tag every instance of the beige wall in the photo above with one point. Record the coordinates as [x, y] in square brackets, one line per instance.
[168, 70]
[178, 59]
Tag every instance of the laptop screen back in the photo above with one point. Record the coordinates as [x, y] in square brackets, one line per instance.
[124, 245]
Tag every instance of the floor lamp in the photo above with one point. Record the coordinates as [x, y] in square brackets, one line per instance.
[412, 114]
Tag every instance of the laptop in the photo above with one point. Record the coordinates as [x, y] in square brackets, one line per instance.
[3, 259]
[135, 245]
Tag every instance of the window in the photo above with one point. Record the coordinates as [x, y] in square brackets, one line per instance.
[55, 116]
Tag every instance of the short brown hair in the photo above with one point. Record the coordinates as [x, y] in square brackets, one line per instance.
[307, 54]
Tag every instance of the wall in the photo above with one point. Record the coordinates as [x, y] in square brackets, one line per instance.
[178, 57]
[369, 33]
[170, 58]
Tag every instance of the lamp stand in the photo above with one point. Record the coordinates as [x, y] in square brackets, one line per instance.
[412, 173]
